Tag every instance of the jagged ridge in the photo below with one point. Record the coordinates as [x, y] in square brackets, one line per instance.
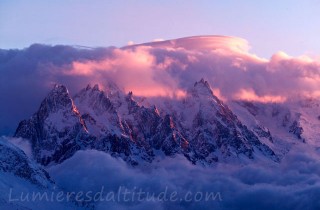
[200, 127]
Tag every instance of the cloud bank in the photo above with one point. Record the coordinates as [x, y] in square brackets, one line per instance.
[293, 184]
[161, 68]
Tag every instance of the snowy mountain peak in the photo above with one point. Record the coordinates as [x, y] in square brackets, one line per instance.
[58, 98]
[201, 88]
[96, 87]
[202, 83]
[200, 127]
[93, 98]
[55, 128]
[88, 87]
[59, 89]
[130, 96]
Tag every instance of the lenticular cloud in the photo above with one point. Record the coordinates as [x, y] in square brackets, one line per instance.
[156, 69]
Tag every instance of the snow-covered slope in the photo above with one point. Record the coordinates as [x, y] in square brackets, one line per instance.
[285, 124]
[23, 182]
[307, 112]
[15, 161]
[282, 126]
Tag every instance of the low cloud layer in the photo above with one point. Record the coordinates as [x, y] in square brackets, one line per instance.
[162, 68]
[292, 184]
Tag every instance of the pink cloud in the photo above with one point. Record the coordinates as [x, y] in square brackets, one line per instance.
[250, 95]
[163, 68]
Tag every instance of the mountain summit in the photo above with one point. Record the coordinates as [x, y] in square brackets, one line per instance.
[55, 129]
[199, 127]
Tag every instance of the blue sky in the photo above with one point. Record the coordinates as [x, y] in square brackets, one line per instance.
[269, 26]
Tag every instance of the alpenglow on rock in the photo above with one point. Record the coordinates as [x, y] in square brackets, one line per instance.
[199, 126]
